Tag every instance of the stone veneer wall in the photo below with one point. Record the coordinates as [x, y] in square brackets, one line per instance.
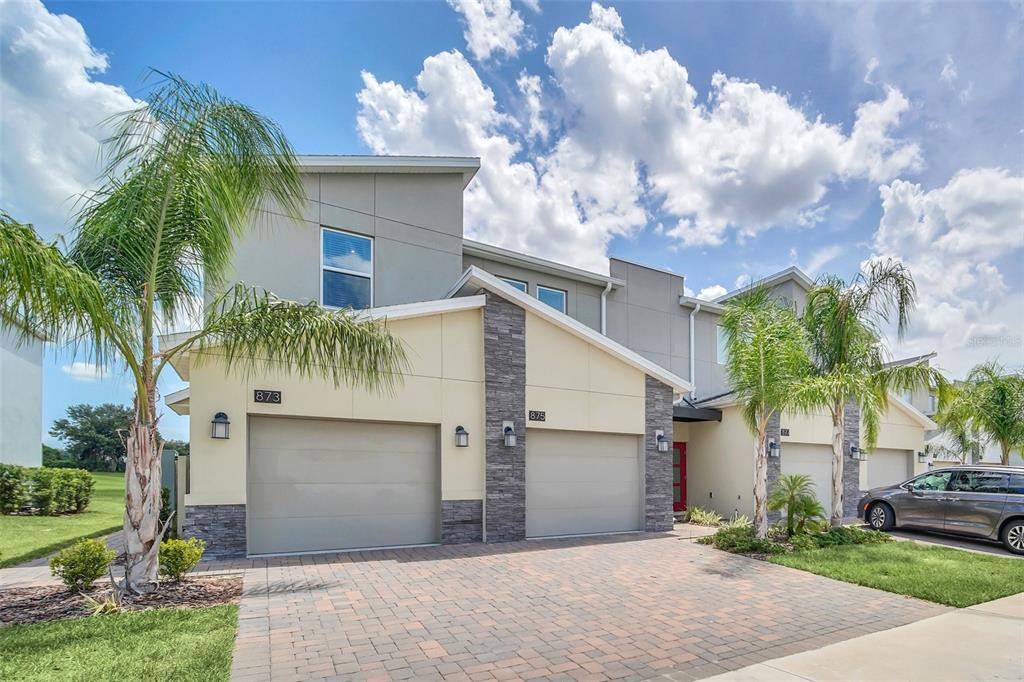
[462, 521]
[505, 400]
[657, 465]
[774, 463]
[221, 526]
[851, 467]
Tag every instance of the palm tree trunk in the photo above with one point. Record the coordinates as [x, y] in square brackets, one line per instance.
[760, 486]
[838, 426]
[1005, 457]
[142, 484]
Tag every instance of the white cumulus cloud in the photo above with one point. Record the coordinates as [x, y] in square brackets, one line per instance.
[492, 27]
[712, 292]
[53, 106]
[84, 371]
[635, 135]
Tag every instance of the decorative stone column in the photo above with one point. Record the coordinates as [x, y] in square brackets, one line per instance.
[657, 465]
[220, 526]
[504, 400]
[462, 521]
[774, 431]
[851, 467]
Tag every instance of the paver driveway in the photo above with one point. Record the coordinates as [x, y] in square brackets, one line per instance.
[615, 607]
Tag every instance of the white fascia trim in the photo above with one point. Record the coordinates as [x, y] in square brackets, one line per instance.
[496, 253]
[481, 278]
[466, 165]
[692, 302]
[403, 311]
[791, 273]
[178, 401]
[917, 415]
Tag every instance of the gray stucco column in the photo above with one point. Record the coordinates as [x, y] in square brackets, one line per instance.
[505, 400]
[657, 465]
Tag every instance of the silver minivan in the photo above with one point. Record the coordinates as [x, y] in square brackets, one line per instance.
[982, 501]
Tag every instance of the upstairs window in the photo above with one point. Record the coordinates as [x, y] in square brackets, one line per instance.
[553, 297]
[346, 262]
[723, 349]
[515, 282]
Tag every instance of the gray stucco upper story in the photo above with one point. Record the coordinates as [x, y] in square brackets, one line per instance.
[412, 210]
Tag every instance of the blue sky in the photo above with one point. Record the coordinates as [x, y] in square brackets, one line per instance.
[831, 134]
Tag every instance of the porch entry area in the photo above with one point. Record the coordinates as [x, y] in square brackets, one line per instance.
[678, 477]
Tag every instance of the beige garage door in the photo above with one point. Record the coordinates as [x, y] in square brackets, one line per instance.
[317, 485]
[578, 483]
[814, 461]
[887, 467]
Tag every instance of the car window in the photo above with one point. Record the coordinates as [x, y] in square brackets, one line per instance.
[1016, 484]
[980, 482]
[934, 481]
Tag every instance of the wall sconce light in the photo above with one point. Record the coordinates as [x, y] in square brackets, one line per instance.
[921, 456]
[858, 453]
[221, 426]
[663, 442]
[461, 437]
[773, 447]
[509, 431]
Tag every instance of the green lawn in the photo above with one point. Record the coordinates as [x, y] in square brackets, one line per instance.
[185, 645]
[940, 574]
[28, 537]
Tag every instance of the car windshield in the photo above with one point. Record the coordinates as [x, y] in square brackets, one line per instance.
[933, 481]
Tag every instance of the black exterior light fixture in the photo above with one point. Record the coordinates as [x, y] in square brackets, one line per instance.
[509, 431]
[663, 443]
[922, 456]
[461, 437]
[773, 447]
[221, 426]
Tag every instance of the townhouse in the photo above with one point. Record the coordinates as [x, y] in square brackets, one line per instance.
[540, 399]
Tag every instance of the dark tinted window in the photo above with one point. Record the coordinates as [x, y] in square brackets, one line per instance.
[980, 482]
[1017, 484]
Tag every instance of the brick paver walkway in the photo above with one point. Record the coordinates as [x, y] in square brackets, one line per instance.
[619, 607]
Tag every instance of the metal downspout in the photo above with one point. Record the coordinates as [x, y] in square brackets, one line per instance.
[604, 308]
[693, 354]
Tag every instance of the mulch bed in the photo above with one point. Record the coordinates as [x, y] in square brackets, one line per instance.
[53, 602]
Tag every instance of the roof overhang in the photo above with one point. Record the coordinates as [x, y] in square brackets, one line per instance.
[500, 255]
[917, 415]
[467, 166]
[692, 302]
[790, 274]
[688, 413]
[178, 401]
[181, 362]
[916, 360]
[476, 279]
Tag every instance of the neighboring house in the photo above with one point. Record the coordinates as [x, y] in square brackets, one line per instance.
[589, 370]
[21, 401]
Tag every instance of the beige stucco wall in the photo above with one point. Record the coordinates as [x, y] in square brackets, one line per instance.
[807, 428]
[681, 431]
[444, 385]
[579, 386]
[899, 431]
[720, 465]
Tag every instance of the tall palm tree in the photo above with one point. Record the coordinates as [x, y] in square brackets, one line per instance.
[185, 175]
[844, 323]
[989, 403]
[766, 359]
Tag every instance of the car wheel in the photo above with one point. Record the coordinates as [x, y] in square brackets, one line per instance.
[1013, 536]
[880, 517]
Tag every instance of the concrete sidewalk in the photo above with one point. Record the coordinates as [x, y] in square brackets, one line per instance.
[983, 642]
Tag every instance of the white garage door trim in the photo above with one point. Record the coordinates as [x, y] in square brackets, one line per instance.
[812, 459]
[317, 485]
[888, 466]
[582, 483]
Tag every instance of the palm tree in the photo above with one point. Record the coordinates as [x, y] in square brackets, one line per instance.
[795, 494]
[185, 175]
[843, 321]
[990, 403]
[766, 359]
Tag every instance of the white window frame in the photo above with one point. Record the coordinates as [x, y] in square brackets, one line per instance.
[721, 353]
[512, 281]
[345, 271]
[563, 292]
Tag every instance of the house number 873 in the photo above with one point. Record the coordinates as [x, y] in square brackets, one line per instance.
[264, 396]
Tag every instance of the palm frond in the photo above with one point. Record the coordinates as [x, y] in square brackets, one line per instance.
[254, 331]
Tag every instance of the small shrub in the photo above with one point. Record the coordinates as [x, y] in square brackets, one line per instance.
[739, 521]
[178, 557]
[741, 540]
[849, 535]
[81, 564]
[704, 517]
[803, 542]
[13, 488]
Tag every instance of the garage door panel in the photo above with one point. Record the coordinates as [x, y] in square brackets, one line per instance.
[888, 467]
[312, 499]
[326, 466]
[578, 483]
[319, 485]
[814, 461]
[311, 534]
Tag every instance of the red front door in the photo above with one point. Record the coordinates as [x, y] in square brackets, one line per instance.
[678, 477]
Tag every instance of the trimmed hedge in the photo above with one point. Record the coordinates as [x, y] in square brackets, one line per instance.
[44, 490]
